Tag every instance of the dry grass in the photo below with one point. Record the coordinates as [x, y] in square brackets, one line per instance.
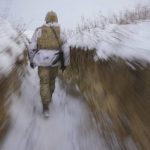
[131, 16]
[135, 15]
[8, 86]
[117, 95]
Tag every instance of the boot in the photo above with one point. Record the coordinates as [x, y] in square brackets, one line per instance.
[46, 110]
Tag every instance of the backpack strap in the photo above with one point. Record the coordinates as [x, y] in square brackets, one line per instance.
[37, 29]
[60, 48]
[60, 54]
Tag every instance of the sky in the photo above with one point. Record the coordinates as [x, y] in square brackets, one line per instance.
[32, 12]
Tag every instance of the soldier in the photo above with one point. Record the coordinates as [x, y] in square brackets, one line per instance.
[47, 38]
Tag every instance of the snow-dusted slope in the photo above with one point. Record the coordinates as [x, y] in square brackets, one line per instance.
[29, 33]
[129, 42]
[69, 127]
[11, 47]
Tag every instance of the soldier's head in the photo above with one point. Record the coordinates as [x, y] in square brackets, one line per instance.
[51, 17]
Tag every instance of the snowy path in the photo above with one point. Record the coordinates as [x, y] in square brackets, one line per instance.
[69, 128]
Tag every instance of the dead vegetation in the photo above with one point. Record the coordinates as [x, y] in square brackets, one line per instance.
[9, 85]
[139, 13]
[117, 95]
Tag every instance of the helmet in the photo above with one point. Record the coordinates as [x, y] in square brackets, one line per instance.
[51, 17]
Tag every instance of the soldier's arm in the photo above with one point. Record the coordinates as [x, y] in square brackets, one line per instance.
[65, 49]
[33, 44]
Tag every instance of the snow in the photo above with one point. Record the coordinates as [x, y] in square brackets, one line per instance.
[29, 33]
[129, 42]
[70, 126]
[10, 49]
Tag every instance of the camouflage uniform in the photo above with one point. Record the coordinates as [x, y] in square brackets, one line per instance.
[47, 40]
[47, 83]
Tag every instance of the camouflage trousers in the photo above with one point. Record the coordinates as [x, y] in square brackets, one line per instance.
[47, 83]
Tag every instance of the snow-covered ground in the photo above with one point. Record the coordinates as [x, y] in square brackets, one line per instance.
[11, 47]
[29, 33]
[129, 42]
[70, 126]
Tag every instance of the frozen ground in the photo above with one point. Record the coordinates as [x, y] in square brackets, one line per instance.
[11, 47]
[69, 127]
[129, 42]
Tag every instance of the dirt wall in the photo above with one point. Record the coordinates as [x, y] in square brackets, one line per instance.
[117, 94]
[9, 85]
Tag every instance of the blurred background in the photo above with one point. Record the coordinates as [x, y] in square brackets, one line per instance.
[101, 102]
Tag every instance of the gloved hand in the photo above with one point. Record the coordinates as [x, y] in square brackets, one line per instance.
[63, 68]
[32, 65]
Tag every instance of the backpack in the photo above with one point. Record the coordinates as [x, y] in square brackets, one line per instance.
[48, 38]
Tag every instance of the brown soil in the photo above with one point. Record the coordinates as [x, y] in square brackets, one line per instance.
[117, 95]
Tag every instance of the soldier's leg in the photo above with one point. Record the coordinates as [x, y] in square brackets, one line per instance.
[53, 75]
[44, 85]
